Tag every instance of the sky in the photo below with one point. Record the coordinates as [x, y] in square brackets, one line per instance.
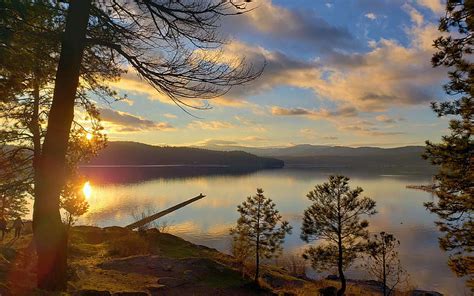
[338, 72]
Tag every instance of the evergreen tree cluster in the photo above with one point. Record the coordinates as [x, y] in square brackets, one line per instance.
[334, 220]
[454, 188]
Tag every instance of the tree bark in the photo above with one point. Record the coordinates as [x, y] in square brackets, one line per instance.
[257, 253]
[384, 271]
[342, 290]
[49, 233]
[340, 261]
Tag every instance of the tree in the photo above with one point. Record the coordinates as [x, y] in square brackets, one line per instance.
[168, 43]
[335, 217]
[13, 204]
[31, 41]
[242, 251]
[383, 262]
[454, 186]
[258, 228]
[73, 201]
[13, 197]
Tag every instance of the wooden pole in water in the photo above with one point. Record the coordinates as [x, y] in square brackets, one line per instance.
[148, 219]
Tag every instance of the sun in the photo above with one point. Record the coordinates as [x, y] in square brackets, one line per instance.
[87, 190]
[89, 136]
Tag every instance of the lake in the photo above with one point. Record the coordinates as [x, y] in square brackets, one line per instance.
[116, 193]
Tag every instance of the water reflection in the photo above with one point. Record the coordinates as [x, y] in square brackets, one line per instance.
[138, 174]
[87, 190]
[400, 211]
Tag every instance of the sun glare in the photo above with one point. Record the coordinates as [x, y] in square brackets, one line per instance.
[89, 136]
[87, 190]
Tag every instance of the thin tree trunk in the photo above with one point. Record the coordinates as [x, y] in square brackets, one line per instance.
[340, 269]
[35, 127]
[4, 198]
[340, 262]
[49, 233]
[257, 259]
[384, 271]
[257, 262]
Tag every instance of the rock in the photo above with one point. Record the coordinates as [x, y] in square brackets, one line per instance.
[281, 282]
[156, 290]
[424, 293]
[152, 231]
[116, 229]
[171, 282]
[328, 291]
[189, 276]
[167, 267]
[130, 294]
[91, 293]
[332, 277]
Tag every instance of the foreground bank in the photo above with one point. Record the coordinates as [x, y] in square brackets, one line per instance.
[114, 260]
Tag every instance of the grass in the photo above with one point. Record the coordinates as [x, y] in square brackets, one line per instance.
[91, 247]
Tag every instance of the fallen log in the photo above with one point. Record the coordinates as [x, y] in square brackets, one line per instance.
[153, 217]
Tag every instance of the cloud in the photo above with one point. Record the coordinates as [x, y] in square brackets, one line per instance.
[371, 16]
[210, 125]
[436, 6]
[124, 122]
[133, 85]
[248, 141]
[387, 119]
[250, 124]
[311, 134]
[254, 139]
[389, 74]
[314, 114]
[216, 142]
[414, 14]
[307, 132]
[169, 115]
[280, 69]
[365, 128]
[304, 26]
[127, 101]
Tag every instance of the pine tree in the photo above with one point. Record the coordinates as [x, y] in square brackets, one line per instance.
[242, 251]
[73, 201]
[383, 262]
[13, 203]
[167, 43]
[13, 189]
[454, 187]
[258, 228]
[335, 218]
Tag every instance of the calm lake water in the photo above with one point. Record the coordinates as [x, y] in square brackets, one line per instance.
[116, 193]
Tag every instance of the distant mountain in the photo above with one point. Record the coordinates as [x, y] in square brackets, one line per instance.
[298, 150]
[136, 154]
[339, 156]
[314, 150]
[401, 159]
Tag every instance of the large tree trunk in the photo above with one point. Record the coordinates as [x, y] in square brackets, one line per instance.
[49, 232]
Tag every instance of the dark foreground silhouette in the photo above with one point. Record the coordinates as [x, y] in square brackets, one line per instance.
[114, 259]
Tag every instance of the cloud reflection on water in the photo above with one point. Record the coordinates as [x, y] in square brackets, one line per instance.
[400, 211]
